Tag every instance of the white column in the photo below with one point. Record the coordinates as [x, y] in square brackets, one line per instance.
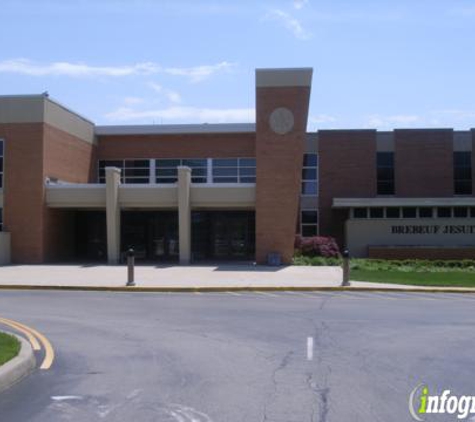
[113, 214]
[184, 214]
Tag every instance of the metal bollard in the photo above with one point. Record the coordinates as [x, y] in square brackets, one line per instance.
[130, 267]
[346, 269]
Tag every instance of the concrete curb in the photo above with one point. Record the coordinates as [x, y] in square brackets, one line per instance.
[139, 289]
[19, 367]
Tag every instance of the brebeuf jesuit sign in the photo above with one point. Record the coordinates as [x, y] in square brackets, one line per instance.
[434, 229]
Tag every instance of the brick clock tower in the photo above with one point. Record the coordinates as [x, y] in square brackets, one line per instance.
[282, 101]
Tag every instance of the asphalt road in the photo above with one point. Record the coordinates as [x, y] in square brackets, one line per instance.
[225, 357]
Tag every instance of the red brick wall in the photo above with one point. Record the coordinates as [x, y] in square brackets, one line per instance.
[23, 190]
[70, 159]
[424, 162]
[347, 169]
[279, 165]
[32, 152]
[67, 157]
[375, 252]
[176, 146]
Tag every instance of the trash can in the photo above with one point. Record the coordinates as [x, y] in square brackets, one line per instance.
[274, 259]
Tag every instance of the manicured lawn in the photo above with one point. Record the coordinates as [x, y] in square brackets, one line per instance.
[448, 278]
[9, 347]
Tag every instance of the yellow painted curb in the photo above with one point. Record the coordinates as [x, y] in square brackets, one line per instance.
[224, 289]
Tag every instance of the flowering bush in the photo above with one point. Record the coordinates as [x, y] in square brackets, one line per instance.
[325, 247]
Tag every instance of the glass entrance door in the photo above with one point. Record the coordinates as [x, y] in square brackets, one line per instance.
[223, 235]
[152, 234]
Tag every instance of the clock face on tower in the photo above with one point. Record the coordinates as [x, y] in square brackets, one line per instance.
[281, 120]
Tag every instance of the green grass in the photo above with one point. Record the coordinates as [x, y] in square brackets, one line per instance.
[416, 278]
[9, 347]
[416, 272]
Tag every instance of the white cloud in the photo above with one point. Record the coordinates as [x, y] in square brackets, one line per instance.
[199, 73]
[171, 95]
[184, 114]
[27, 67]
[291, 23]
[299, 4]
[30, 68]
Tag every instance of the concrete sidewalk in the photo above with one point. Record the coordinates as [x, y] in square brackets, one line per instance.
[187, 277]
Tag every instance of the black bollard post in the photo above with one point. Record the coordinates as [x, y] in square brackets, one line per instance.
[346, 269]
[130, 267]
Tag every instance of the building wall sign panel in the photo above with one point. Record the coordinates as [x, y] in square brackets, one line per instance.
[453, 232]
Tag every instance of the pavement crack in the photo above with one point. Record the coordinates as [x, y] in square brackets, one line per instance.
[322, 393]
[284, 362]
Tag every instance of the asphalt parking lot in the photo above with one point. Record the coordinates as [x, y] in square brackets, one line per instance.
[248, 356]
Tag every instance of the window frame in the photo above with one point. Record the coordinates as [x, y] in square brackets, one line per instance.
[313, 224]
[465, 166]
[237, 170]
[311, 181]
[391, 181]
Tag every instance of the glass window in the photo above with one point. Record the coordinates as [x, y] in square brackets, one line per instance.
[225, 171]
[462, 172]
[385, 173]
[444, 212]
[376, 212]
[309, 223]
[309, 217]
[131, 171]
[310, 160]
[247, 162]
[109, 163]
[234, 170]
[309, 231]
[472, 212]
[425, 212]
[360, 212]
[409, 212]
[1, 163]
[166, 169]
[167, 162]
[309, 188]
[310, 175]
[460, 212]
[136, 171]
[225, 162]
[393, 212]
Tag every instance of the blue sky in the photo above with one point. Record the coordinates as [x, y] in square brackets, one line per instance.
[377, 64]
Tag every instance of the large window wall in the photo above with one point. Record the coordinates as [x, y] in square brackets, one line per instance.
[132, 171]
[164, 170]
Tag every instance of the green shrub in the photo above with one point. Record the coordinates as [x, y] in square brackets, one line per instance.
[405, 265]
[318, 261]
